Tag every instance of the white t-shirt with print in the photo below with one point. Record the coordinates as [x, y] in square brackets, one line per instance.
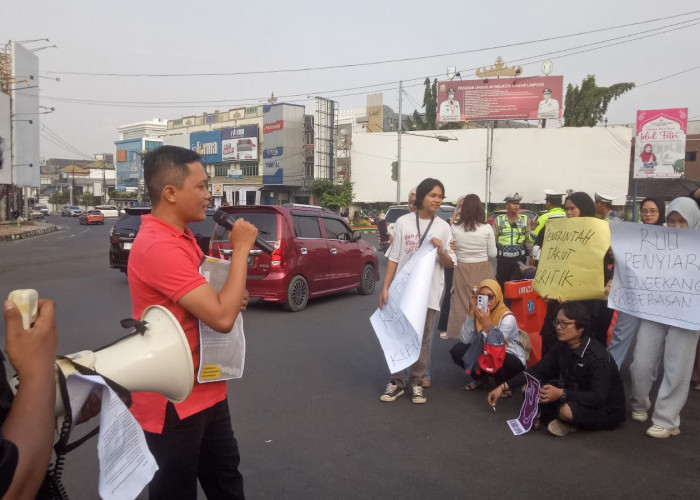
[406, 241]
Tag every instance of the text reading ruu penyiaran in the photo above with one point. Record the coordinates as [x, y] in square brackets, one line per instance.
[657, 273]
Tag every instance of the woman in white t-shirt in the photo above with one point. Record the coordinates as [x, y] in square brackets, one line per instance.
[410, 231]
[475, 245]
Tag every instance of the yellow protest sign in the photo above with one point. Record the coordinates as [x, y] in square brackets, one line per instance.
[571, 262]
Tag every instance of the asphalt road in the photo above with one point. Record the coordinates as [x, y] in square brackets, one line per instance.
[307, 412]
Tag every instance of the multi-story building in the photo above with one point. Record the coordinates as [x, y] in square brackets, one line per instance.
[134, 141]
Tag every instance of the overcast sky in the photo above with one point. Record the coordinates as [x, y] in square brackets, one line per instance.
[171, 37]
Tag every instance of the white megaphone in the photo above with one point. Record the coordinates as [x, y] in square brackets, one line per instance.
[159, 360]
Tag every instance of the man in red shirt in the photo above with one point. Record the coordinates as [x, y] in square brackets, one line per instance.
[193, 439]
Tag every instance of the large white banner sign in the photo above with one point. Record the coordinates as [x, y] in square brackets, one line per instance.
[399, 326]
[657, 273]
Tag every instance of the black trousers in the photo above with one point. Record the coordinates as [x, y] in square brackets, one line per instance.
[508, 269]
[445, 304]
[511, 364]
[202, 447]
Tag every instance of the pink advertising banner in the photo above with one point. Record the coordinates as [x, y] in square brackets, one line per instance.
[506, 98]
[659, 151]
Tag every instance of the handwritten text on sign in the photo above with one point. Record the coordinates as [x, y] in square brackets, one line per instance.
[399, 325]
[571, 262]
[657, 273]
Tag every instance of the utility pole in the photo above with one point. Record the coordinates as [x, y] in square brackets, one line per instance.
[72, 189]
[398, 162]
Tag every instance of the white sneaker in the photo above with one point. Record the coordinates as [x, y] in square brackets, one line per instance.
[639, 415]
[560, 428]
[417, 394]
[656, 431]
[391, 392]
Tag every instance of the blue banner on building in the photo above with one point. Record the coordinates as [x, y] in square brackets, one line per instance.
[208, 145]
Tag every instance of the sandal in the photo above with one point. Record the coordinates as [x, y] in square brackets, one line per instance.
[474, 385]
[443, 335]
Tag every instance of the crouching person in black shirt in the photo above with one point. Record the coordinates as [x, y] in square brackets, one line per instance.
[581, 385]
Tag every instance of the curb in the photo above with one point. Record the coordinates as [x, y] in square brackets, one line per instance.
[28, 234]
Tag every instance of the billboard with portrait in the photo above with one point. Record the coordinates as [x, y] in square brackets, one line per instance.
[506, 98]
[659, 150]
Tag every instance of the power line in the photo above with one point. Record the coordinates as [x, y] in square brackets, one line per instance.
[372, 63]
[588, 47]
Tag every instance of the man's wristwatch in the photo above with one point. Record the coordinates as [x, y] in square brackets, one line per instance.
[562, 398]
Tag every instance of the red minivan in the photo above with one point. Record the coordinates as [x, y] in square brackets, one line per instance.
[316, 253]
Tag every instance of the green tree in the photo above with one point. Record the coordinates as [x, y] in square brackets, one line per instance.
[417, 121]
[60, 198]
[89, 200]
[332, 196]
[585, 106]
[430, 104]
[121, 194]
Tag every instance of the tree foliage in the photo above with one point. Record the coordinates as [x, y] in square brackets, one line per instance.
[585, 106]
[430, 104]
[60, 198]
[332, 196]
[90, 200]
[121, 194]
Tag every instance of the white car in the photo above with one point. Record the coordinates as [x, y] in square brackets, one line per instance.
[108, 211]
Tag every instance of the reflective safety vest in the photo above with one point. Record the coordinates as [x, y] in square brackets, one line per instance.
[511, 236]
[542, 220]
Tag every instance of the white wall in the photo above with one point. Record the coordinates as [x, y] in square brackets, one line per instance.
[524, 160]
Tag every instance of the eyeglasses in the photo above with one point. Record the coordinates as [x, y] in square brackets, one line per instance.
[562, 324]
[649, 211]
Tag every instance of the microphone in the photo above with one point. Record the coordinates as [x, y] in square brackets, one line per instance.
[227, 220]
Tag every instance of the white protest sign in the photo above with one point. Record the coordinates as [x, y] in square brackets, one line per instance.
[126, 464]
[657, 273]
[399, 326]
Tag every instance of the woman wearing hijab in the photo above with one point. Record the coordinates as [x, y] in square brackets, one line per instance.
[475, 244]
[648, 157]
[579, 204]
[677, 347]
[653, 212]
[497, 321]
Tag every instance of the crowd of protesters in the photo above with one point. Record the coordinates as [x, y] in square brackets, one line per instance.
[579, 370]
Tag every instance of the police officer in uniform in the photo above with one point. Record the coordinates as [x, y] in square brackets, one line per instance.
[553, 208]
[511, 231]
[603, 207]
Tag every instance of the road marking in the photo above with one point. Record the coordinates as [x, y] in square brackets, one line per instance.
[76, 234]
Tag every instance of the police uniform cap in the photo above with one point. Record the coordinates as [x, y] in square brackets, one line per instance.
[604, 198]
[552, 194]
[513, 198]
[547, 91]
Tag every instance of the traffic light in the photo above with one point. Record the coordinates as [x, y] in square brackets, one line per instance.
[394, 170]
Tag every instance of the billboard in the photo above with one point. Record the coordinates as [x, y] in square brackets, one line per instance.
[5, 142]
[208, 145]
[500, 99]
[283, 136]
[659, 151]
[25, 116]
[240, 143]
